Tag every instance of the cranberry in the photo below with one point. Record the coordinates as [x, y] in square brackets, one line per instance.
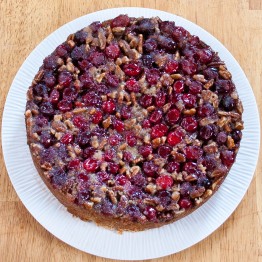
[146, 123]
[166, 43]
[64, 105]
[147, 61]
[227, 157]
[86, 80]
[193, 152]
[49, 80]
[164, 151]
[47, 109]
[156, 116]
[80, 36]
[54, 96]
[41, 121]
[152, 76]
[224, 86]
[132, 85]
[138, 180]
[78, 53]
[64, 78]
[131, 139]
[150, 45]
[90, 165]
[158, 130]
[92, 99]
[59, 178]
[113, 168]
[190, 167]
[97, 117]
[125, 112]
[83, 139]
[111, 80]
[195, 88]
[50, 62]
[102, 176]
[109, 155]
[79, 121]
[84, 65]
[189, 67]
[40, 90]
[209, 162]
[150, 168]
[210, 73]
[95, 26]
[114, 140]
[89, 152]
[145, 150]
[61, 50]
[164, 198]
[66, 138]
[160, 99]
[179, 33]
[121, 180]
[205, 110]
[178, 86]
[174, 138]
[221, 138]
[206, 132]
[185, 203]
[237, 135]
[189, 100]
[127, 156]
[189, 124]
[118, 125]
[171, 66]
[120, 21]
[164, 182]
[74, 163]
[167, 27]
[109, 106]
[97, 58]
[132, 69]
[228, 103]
[145, 26]
[205, 55]
[146, 101]
[69, 94]
[113, 51]
[173, 167]
[172, 116]
[150, 213]
[185, 189]
[46, 139]
[203, 182]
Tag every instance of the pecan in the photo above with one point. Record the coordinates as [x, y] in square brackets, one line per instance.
[219, 171]
[233, 115]
[140, 44]
[71, 43]
[129, 123]
[239, 125]
[107, 122]
[230, 142]
[102, 38]
[70, 67]
[151, 108]
[58, 126]
[79, 110]
[175, 196]
[217, 182]
[197, 192]
[189, 112]
[189, 177]
[209, 84]
[137, 160]
[88, 205]
[239, 107]
[224, 73]
[38, 76]
[166, 80]
[208, 120]
[96, 199]
[211, 148]
[177, 76]
[110, 35]
[200, 78]
[211, 97]
[166, 107]
[178, 156]
[134, 170]
[208, 193]
[118, 31]
[112, 196]
[123, 146]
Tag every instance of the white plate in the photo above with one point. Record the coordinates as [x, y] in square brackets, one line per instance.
[87, 236]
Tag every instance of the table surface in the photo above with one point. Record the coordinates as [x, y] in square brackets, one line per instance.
[236, 23]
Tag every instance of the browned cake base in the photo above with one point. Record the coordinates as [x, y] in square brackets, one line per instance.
[133, 123]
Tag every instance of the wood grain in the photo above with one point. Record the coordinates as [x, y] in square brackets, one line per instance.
[236, 23]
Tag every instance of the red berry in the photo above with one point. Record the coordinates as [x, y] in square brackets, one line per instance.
[65, 105]
[79, 121]
[146, 101]
[145, 150]
[205, 55]
[185, 203]
[189, 100]
[189, 124]
[109, 106]
[156, 117]
[66, 138]
[227, 158]
[173, 167]
[113, 51]
[189, 67]
[121, 180]
[160, 99]
[97, 117]
[131, 139]
[114, 140]
[150, 213]
[178, 87]
[171, 66]
[132, 85]
[190, 167]
[174, 138]
[150, 168]
[173, 116]
[113, 168]
[82, 177]
[195, 88]
[152, 76]
[120, 21]
[64, 78]
[54, 96]
[132, 69]
[193, 152]
[164, 182]
[158, 130]
[125, 112]
[109, 155]
[205, 110]
[74, 163]
[146, 123]
[127, 156]
[90, 165]
[164, 151]
[118, 125]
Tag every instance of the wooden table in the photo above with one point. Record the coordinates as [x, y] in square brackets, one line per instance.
[236, 23]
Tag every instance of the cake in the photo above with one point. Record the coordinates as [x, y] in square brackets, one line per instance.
[133, 123]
